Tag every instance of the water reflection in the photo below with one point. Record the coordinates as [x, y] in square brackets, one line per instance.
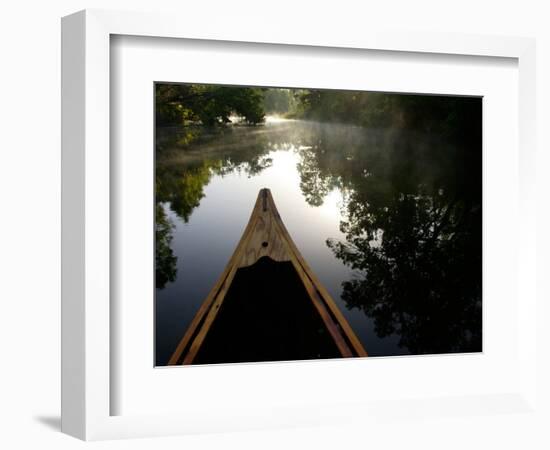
[165, 261]
[389, 220]
[181, 175]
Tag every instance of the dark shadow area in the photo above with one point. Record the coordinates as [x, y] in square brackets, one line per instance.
[267, 315]
[51, 422]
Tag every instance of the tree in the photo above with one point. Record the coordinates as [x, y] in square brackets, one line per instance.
[176, 104]
[279, 101]
[165, 260]
[413, 230]
[429, 113]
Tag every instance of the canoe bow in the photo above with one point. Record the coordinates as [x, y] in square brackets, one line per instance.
[266, 236]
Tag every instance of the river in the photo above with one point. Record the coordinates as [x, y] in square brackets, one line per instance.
[390, 222]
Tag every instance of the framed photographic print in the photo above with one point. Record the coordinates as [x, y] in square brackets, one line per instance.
[381, 191]
[250, 222]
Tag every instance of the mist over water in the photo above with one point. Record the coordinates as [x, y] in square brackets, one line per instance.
[383, 217]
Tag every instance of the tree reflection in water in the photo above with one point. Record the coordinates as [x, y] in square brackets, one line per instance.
[165, 260]
[420, 265]
[182, 173]
[412, 216]
[413, 232]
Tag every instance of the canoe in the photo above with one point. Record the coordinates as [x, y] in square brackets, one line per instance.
[267, 305]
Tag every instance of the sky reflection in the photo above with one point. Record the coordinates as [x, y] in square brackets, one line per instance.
[315, 172]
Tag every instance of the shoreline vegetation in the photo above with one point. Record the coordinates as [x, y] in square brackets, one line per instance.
[208, 109]
[411, 169]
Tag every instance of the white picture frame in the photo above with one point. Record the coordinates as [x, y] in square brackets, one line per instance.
[86, 222]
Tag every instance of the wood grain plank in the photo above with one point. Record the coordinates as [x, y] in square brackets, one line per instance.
[328, 300]
[266, 235]
[205, 306]
[249, 250]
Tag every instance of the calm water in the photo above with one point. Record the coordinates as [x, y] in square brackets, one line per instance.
[389, 221]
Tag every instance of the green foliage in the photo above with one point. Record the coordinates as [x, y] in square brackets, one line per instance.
[279, 101]
[182, 174]
[165, 261]
[167, 108]
[183, 189]
[177, 104]
[429, 113]
[314, 184]
[421, 263]
[412, 184]
[412, 221]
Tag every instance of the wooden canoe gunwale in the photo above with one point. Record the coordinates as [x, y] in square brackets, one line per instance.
[266, 235]
[205, 306]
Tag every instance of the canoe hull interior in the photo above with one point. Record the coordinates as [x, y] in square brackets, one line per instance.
[266, 316]
[267, 304]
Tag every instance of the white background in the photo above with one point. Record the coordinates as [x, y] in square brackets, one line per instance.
[141, 389]
[29, 230]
